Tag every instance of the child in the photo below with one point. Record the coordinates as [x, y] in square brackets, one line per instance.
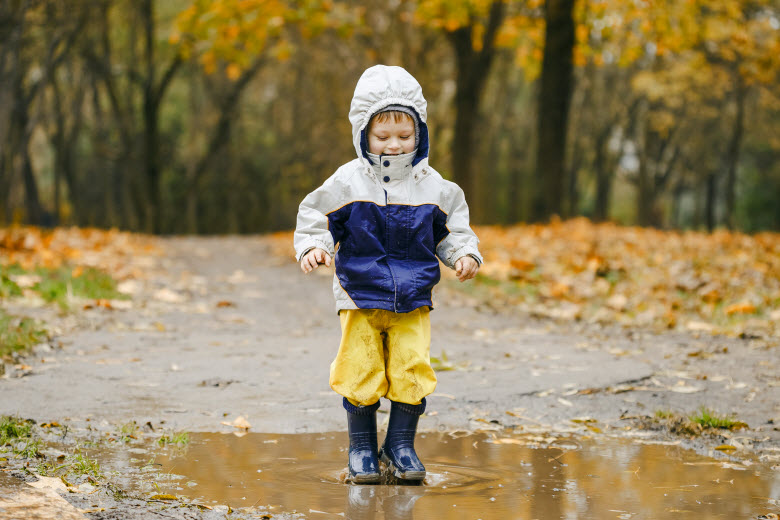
[391, 215]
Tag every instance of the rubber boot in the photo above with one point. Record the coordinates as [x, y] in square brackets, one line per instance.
[398, 449]
[363, 456]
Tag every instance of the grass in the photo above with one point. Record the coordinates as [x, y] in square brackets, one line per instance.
[17, 434]
[80, 465]
[8, 288]
[710, 419]
[128, 431]
[75, 465]
[177, 439]
[30, 450]
[697, 423]
[13, 429]
[442, 363]
[18, 334]
[60, 285]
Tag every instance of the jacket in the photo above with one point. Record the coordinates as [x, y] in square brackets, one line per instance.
[392, 219]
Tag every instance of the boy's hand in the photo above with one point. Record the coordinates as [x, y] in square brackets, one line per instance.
[466, 268]
[314, 258]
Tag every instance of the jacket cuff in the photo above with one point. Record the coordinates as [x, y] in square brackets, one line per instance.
[465, 251]
[311, 244]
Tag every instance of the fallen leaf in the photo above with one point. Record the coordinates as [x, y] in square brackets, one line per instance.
[686, 389]
[699, 326]
[163, 497]
[741, 308]
[617, 302]
[240, 422]
[168, 296]
[129, 287]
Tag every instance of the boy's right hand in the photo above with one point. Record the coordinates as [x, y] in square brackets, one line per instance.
[314, 258]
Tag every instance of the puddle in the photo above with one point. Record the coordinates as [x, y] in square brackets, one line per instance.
[468, 477]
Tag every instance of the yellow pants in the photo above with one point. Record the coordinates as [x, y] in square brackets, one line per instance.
[383, 354]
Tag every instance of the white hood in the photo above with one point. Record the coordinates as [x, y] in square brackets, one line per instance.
[379, 87]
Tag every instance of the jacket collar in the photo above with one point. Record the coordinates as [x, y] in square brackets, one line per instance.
[390, 168]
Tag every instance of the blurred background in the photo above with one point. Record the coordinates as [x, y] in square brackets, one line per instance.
[195, 116]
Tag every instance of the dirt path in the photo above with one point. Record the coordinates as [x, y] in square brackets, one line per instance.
[223, 328]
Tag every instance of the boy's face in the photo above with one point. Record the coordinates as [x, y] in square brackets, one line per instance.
[390, 137]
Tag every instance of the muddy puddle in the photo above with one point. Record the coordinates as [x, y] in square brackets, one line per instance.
[470, 476]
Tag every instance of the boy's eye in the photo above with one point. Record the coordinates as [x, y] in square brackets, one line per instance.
[382, 138]
[405, 137]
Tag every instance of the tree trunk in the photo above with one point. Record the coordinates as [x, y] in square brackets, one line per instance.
[153, 94]
[21, 144]
[472, 70]
[32, 201]
[645, 195]
[151, 163]
[710, 201]
[732, 159]
[555, 88]
[603, 187]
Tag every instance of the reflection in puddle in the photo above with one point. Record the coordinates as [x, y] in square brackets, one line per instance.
[468, 477]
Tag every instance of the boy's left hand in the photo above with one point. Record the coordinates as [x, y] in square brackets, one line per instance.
[466, 268]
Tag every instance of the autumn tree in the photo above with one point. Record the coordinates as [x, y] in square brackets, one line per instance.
[555, 86]
[692, 56]
[234, 39]
[38, 38]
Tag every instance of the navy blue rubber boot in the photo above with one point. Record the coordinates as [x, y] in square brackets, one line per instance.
[398, 449]
[363, 456]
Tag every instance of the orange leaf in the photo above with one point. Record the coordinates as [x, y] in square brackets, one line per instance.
[741, 308]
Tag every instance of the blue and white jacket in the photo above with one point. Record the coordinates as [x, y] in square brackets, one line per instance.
[391, 219]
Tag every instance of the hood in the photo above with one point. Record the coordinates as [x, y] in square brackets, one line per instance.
[379, 87]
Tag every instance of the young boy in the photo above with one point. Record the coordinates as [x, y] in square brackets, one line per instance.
[391, 215]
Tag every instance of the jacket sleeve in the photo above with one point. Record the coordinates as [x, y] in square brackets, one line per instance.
[312, 228]
[461, 240]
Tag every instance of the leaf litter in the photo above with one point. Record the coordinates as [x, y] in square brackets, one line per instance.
[721, 282]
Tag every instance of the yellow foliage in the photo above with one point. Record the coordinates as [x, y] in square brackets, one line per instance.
[233, 71]
[230, 34]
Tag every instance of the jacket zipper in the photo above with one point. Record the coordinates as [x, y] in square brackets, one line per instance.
[387, 235]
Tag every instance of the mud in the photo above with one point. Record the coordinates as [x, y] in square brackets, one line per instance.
[224, 327]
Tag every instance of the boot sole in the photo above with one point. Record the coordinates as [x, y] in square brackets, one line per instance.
[415, 476]
[371, 478]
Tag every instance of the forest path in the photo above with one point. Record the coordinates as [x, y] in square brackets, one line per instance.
[223, 328]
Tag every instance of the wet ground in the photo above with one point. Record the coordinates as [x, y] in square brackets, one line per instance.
[469, 476]
[223, 327]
